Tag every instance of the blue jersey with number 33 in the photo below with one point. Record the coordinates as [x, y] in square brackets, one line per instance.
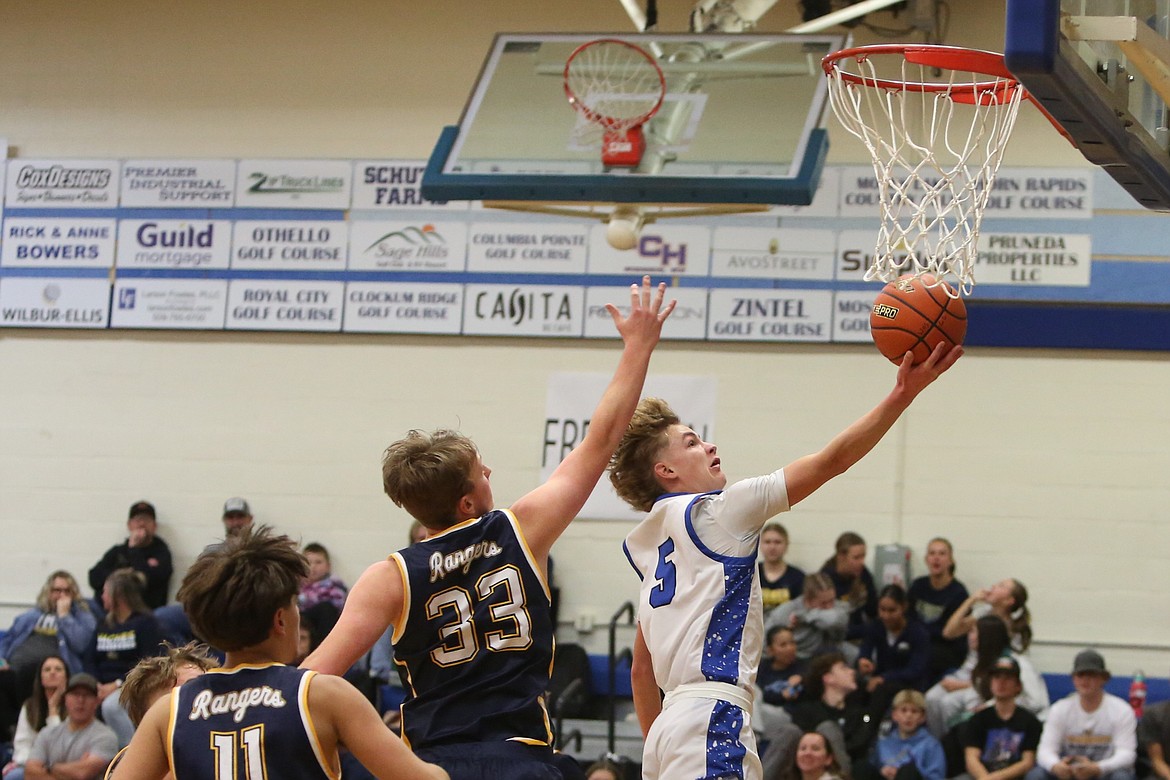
[476, 647]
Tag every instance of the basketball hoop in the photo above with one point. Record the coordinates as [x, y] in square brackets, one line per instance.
[936, 120]
[618, 87]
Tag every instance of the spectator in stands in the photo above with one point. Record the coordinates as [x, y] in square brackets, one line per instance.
[953, 699]
[1000, 741]
[127, 634]
[781, 675]
[853, 581]
[895, 652]
[1153, 733]
[604, 770]
[829, 708]
[1007, 599]
[143, 552]
[1091, 734]
[61, 624]
[417, 533]
[909, 752]
[236, 516]
[933, 599]
[779, 581]
[46, 707]
[779, 683]
[78, 748]
[815, 759]
[321, 586]
[818, 621]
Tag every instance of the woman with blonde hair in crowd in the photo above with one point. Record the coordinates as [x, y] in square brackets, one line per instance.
[1007, 600]
[60, 624]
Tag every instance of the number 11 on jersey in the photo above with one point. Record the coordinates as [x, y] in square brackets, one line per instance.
[224, 745]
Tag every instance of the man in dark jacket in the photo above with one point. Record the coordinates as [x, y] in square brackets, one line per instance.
[142, 551]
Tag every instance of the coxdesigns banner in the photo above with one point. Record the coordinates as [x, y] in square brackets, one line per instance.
[572, 397]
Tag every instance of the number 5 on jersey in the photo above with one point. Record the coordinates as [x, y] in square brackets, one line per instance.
[664, 574]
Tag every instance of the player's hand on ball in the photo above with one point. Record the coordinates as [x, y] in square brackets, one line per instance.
[915, 377]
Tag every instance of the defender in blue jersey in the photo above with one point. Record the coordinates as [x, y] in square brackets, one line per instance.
[257, 717]
[700, 619]
[470, 604]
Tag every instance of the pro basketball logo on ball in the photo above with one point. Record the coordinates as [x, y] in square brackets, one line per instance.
[913, 314]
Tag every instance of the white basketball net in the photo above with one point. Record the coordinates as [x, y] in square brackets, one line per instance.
[935, 151]
[614, 85]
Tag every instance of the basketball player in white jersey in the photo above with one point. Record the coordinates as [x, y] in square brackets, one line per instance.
[700, 621]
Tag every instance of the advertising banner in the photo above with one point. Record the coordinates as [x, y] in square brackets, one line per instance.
[171, 304]
[174, 243]
[770, 315]
[403, 307]
[179, 183]
[58, 243]
[255, 304]
[62, 184]
[294, 184]
[523, 310]
[30, 302]
[408, 245]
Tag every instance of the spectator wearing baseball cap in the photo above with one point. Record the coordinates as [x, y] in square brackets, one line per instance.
[1091, 734]
[236, 516]
[142, 551]
[80, 746]
[1002, 739]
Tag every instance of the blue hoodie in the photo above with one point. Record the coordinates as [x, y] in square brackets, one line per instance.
[920, 747]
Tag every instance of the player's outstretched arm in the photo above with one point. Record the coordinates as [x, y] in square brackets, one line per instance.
[374, 602]
[546, 511]
[647, 697]
[146, 757]
[804, 476]
[345, 717]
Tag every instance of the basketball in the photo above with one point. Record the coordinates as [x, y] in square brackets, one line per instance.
[908, 316]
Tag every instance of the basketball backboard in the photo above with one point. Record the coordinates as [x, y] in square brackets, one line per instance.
[740, 123]
[1102, 69]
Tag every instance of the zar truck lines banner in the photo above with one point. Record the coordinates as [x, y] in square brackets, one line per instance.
[298, 184]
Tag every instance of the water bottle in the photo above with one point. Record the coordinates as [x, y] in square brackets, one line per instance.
[1137, 693]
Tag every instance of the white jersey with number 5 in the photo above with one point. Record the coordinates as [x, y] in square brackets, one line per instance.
[699, 606]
